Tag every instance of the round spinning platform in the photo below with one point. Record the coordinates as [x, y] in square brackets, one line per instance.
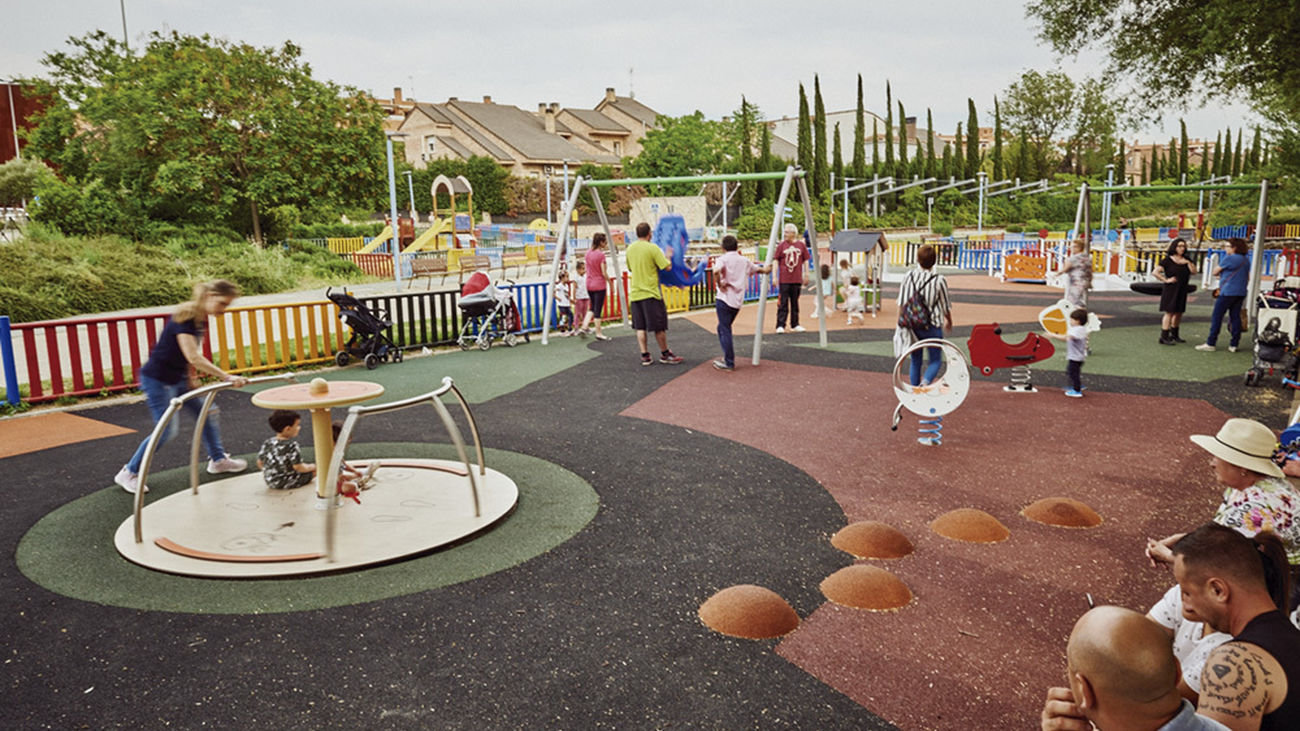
[239, 528]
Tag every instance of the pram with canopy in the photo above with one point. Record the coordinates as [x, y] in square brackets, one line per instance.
[489, 313]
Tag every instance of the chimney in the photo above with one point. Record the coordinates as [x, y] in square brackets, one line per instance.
[487, 99]
[397, 95]
[609, 93]
[910, 124]
[452, 99]
[541, 107]
[548, 117]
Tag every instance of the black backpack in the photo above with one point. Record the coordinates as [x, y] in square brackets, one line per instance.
[915, 313]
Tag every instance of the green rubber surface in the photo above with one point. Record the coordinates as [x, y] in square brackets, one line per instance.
[1116, 351]
[70, 551]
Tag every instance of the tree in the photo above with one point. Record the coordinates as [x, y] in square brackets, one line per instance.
[820, 168]
[902, 142]
[746, 117]
[1095, 125]
[998, 172]
[875, 149]
[1205, 163]
[204, 130]
[1216, 164]
[972, 139]
[837, 158]
[1171, 162]
[860, 149]
[1252, 162]
[1236, 156]
[889, 131]
[1024, 166]
[20, 178]
[946, 166]
[1182, 148]
[765, 164]
[959, 164]
[1146, 177]
[1121, 163]
[1039, 105]
[805, 146]
[1168, 62]
[679, 146]
[930, 163]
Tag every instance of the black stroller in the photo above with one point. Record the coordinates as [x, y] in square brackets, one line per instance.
[369, 341]
[490, 313]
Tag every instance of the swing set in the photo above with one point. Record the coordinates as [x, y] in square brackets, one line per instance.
[792, 176]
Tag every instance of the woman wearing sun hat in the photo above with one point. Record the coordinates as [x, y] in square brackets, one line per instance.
[1256, 494]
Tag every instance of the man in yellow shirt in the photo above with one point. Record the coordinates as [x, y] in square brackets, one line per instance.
[644, 260]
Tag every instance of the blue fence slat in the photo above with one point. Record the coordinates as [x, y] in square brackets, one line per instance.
[7, 359]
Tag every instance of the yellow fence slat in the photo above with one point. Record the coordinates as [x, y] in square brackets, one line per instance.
[677, 299]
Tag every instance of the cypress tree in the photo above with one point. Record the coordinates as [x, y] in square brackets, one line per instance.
[875, 148]
[972, 140]
[1236, 156]
[902, 142]
[1182, 149]
[917, 169]
[1145, 177]
[1157, 165]
[837, 159]
[765, 164]
[1256, 145]
[930, 162]
[860, 149]
[1205, 163]
[889, 131]
[947, 161]
[998, 172]
[820, 169]
[1171, 160]
[958, 166]
[805, 147]
[746, 150]
[1216, 161]
[1121, 172]
[1226, 155]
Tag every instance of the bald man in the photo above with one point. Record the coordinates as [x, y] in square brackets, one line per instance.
[791, 262]
[1123, 677]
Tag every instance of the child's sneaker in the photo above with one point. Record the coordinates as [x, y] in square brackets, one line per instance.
[646, 359]
[1073, 393]
[602, 337]
[128, 481]
[720, 365]
[670, 358]
[226, 464]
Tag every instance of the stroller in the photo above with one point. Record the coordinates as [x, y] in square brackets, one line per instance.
[1275, 336]
[489, 313]
[369, 341]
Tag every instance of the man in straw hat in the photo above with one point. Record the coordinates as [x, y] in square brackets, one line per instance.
[1122, 675]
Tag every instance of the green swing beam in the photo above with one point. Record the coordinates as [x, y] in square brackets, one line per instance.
[735, 177]
[1171, 188]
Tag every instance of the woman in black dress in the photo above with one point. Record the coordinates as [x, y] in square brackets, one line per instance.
[1175, 271]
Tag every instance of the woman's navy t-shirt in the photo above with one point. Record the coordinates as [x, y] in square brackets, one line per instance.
[166, 361]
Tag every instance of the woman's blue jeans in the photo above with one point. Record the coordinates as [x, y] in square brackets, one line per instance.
[158, 396]
[1232, 306]
[936, 356]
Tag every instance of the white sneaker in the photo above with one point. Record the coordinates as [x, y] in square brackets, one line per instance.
[1232, 348]
[128, 481]
[780, 329]
[226, 464]
[1207, 348]
[798, 328]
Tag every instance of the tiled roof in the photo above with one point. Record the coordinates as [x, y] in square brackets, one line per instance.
[597, 121]
[524, 132]
[455, 146]
[635, 109]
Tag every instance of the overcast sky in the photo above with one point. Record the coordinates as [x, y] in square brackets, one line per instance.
[677, 55]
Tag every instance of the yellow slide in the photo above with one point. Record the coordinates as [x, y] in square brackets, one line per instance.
[377, 241]
[428, 241]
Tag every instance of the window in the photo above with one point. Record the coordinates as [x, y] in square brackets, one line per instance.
[618, 147]
[430, 144]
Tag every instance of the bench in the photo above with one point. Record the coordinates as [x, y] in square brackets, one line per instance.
[427, 267]
[472, 264]
[518, 259]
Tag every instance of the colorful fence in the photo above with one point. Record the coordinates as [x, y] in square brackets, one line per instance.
[92, 356]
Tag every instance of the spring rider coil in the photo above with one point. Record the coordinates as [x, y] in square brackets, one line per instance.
[1022, 380]
[932, 401]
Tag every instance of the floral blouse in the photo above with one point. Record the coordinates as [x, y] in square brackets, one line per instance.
[1269, 504]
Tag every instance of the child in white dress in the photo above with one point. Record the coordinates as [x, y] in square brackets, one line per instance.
[853, 303]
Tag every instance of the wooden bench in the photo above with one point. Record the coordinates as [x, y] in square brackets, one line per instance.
[472, 264]
[427, 267]
[517, 259]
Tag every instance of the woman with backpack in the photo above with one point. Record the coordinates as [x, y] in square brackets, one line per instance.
[923, 314]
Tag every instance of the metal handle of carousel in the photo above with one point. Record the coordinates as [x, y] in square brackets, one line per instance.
[209, 392]
[433, 398]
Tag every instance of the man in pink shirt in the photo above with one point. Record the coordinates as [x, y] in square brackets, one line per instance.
[731, 274]
[791, 260]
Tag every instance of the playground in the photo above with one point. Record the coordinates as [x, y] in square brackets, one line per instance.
[642, 493]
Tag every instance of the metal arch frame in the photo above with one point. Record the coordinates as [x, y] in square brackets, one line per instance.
[1256, 264]
[789, 174]
[209, 392]
[434, 398]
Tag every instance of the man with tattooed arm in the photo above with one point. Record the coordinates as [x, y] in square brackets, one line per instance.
[1253, 681]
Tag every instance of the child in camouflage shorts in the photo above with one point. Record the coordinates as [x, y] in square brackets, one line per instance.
[280, 457]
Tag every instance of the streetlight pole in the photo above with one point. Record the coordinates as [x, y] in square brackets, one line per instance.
[1106, 201]
[979, 225]
[125, 41]
[929, 211]
[410, 189]
[392, 207]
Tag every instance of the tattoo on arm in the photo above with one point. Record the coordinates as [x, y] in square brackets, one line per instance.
[1235, 682]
